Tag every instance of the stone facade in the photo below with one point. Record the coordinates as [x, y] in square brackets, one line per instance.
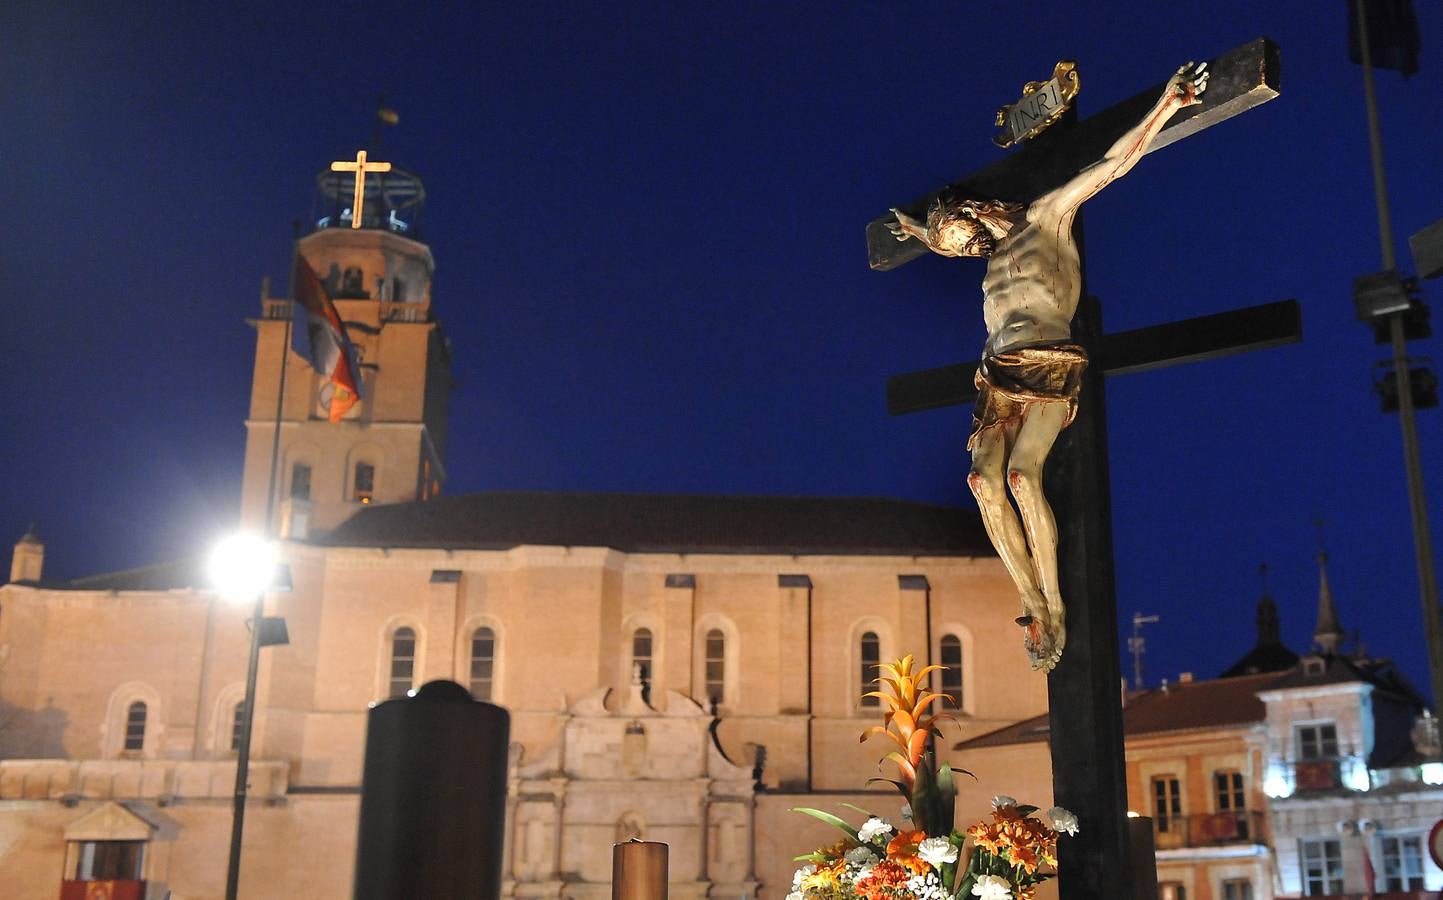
[564, 621]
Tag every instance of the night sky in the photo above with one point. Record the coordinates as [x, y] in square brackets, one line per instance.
[648, 226]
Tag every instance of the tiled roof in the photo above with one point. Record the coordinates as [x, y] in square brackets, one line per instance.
[675, 523]
[1188, 706]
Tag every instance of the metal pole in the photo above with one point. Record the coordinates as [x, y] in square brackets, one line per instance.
[243, 758]
[243, 755]
[1417, 499]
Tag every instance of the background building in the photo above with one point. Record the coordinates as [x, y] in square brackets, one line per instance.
[678, 667]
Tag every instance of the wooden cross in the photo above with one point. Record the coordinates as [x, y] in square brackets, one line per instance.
[360, 167]
[1085, 709]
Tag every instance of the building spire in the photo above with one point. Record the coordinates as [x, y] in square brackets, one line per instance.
[1328, 634]
[1270, 631]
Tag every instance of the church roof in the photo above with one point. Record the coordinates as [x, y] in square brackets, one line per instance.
[670, 523]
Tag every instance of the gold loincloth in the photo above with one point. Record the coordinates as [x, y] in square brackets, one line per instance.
[1010, 382]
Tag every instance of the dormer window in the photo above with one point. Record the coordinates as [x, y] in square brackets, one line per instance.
[1318, 741]
[1313, 666]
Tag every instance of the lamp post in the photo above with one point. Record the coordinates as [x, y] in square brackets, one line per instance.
[242, 567]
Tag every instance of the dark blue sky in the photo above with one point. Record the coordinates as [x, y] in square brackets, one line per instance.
[648, 226]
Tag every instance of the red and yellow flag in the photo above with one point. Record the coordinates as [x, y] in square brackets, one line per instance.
[319, 335]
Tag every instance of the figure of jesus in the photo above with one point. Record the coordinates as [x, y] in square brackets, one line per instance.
[1031, 373]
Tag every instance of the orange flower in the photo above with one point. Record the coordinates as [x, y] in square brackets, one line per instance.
[886, 877]
[905, 722]
[902, 850]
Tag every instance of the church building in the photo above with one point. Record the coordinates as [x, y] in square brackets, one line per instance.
[678, 668]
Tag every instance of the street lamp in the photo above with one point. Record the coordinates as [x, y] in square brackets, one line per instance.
[242, 567]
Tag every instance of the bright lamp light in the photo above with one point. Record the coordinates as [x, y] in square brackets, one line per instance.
[243, 565]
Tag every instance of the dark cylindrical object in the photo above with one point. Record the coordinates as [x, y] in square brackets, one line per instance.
[1144, 858]
[433, 798]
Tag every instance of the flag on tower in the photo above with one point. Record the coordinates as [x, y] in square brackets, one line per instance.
[320, 337]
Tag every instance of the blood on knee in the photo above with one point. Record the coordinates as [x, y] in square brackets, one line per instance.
[1020, 480]
[981, 485]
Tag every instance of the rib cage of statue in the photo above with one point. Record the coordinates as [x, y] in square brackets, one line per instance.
[1031, 373]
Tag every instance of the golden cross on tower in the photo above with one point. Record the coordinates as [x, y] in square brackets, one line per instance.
[360, 167]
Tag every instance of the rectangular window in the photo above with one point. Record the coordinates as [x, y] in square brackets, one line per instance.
[237, 726]
[109, 861]
[403, 661]
[135, 727]
[483, 663]
[871, 658]
[365, 482]
[300, 482]
[1402, 862]
[1228, 788]
[1166, 803]
[1322, 864]
[716, 652]
[1318, 741]
[1237, 889]
[1171, 890]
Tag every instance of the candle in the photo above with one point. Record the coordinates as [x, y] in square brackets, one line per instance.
[638, 870]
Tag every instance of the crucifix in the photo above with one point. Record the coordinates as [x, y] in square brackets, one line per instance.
[360, 167]
[1039, 371]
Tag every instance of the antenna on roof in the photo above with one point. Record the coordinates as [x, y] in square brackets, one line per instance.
[1136, 645]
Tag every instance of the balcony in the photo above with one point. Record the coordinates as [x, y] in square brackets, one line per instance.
[280, 310]
[105, 890]
[1208, 830]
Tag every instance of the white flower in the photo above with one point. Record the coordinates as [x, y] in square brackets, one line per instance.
[1002, 801]
[1062, 820]
[937, 850]
[926, 887]
[906, 812]
[993, 887]
[861, 856]
[795, 895]
[872, 828]
[801, 873]
[864, 872]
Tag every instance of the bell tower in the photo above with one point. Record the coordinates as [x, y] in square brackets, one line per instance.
[391, 446]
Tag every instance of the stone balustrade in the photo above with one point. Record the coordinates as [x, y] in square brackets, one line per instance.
[135, 779]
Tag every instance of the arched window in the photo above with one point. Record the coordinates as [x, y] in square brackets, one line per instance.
[641, 653]
[135, 727]
[403, 661]
[871, 657]
[237, 724]
[951, 657]
[300, 482]
[483, 663]
[716, 666]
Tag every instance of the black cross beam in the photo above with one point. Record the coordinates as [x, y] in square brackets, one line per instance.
[1083, 691]
[1139, 350]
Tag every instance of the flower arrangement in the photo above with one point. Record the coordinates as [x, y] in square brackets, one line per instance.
[926, 858]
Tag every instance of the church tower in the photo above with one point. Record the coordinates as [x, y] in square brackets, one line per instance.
[391, 446]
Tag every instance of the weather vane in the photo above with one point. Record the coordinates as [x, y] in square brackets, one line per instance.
[360, 167]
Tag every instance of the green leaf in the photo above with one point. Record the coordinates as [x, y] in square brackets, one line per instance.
[1026, 810]
[829, 819]
[866, 812]
[901, 788]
